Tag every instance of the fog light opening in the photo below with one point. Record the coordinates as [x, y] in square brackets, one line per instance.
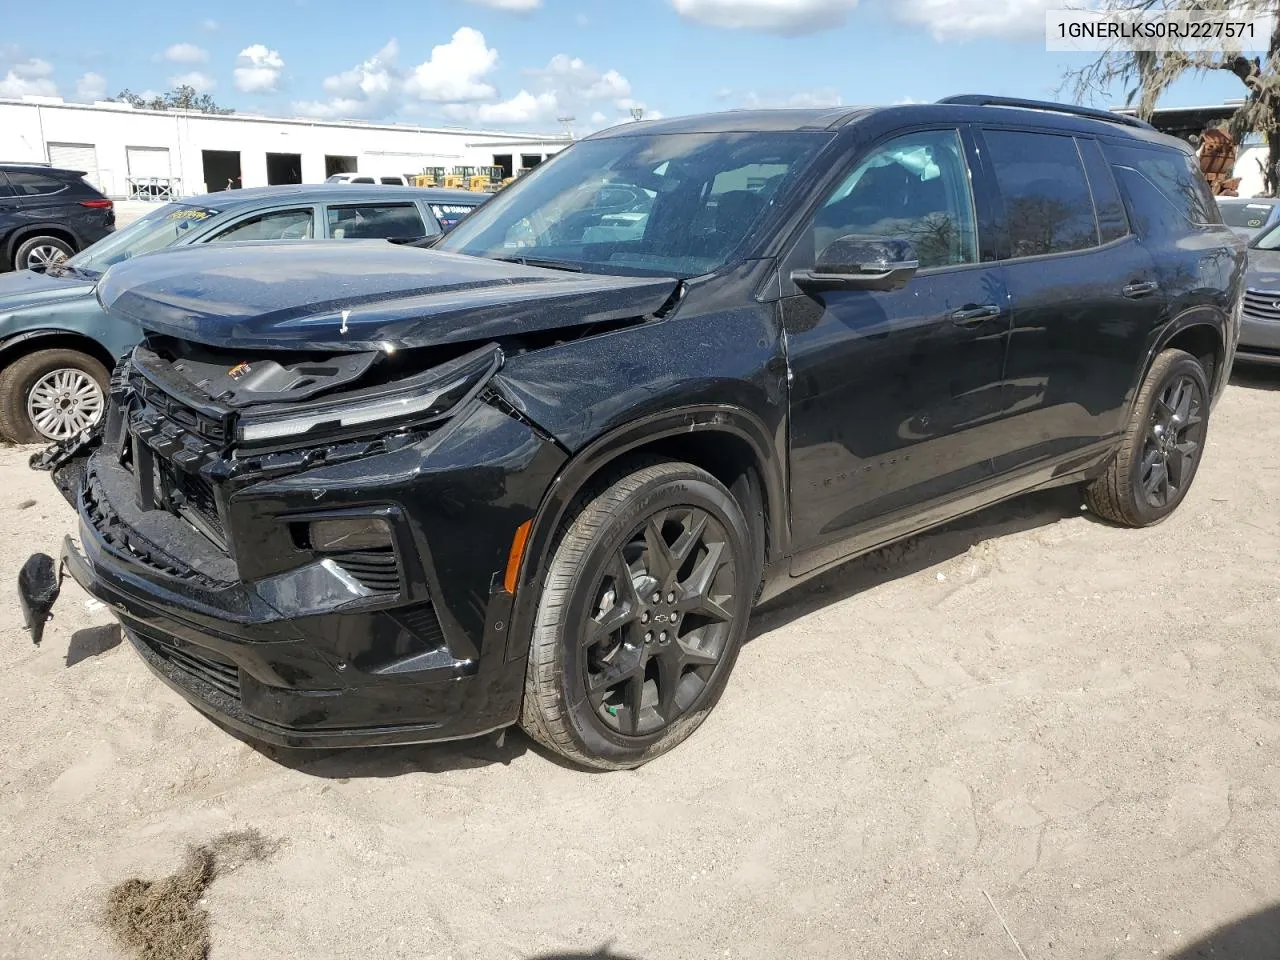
[345, 534]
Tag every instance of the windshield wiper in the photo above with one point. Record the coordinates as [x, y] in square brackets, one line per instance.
[539, 262]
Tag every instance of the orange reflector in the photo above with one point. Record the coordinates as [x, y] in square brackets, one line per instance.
[517, 552]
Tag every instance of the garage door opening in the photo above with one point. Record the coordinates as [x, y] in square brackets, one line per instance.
[503, 160]
[284, 168]
[530, 160]
[221, 170]
[334, 165]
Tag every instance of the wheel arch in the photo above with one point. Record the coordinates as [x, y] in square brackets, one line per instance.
[730, 443]
[1200, 332]
[25, 233]
[28, 342]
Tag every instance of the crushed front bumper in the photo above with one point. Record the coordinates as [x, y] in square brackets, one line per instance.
[289, 658]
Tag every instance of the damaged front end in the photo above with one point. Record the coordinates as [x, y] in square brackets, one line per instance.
[310, 546]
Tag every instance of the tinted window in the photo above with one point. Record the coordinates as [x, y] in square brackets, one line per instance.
[394, 180]
[361, 180]
[5, 189]
[372, 221]
[1046, 197]
[277, 225]
[33, 184]
[1112, 224]
[914, 187]
[1175, 174]
[1152, 215]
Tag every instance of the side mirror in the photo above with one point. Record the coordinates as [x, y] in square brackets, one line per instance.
[860, 263]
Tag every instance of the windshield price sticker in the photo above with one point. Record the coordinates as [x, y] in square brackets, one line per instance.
[189, 214]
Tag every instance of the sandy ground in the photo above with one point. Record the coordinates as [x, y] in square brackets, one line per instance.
[1029, 716]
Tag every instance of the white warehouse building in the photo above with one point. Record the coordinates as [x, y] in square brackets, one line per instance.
[127, 152]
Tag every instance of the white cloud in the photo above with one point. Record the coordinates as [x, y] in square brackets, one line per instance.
[967, 19]
[200, 82]
[91, 86]
[524, 108]
[517, 6]
[455, 72]
[185, 53]
[786, 17]
[30, 77]
[258, 69]
[454, 83]
[370, 89]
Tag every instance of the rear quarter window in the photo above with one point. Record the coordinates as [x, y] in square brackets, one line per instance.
[1175, 175]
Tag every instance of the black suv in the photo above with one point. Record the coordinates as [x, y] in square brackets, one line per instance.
[541, 473]
[47, 214]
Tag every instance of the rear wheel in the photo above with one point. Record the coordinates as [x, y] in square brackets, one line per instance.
[641, 616]
[1160, 453]
[40, 253]
[51, 395]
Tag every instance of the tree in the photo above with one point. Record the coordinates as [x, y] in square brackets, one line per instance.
[1146, 75]
[179, 98]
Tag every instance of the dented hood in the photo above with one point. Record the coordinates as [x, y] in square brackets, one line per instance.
[359, 296]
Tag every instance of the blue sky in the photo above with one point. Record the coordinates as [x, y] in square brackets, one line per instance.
[521, 64]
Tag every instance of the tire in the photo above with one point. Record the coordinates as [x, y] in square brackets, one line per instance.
[63, 375]
[41, 251]
[1164, 438]
[581, 686]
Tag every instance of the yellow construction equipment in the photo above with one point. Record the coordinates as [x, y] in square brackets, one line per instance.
[459, 178]
[430, 177]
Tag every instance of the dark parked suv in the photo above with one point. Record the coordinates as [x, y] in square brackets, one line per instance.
[540, 473]
[47, 214]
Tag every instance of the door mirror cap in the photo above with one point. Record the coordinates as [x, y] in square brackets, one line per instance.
[861, 263]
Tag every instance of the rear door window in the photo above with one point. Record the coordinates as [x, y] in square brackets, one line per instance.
[376, 221]
[1112, 223]
[34, 184]
[1047, 204]
[276, 225]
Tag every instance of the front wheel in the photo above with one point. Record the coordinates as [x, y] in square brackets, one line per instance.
[643, 610]
[53, 394]
[1161, 448]
[41, 253]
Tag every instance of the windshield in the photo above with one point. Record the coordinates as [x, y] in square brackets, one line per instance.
[668, 204]
[155, 231]
[1250, 215]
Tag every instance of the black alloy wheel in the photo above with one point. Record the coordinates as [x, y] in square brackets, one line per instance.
[642, 611]
[1160, 450]
[663, 616]
[1173, 442]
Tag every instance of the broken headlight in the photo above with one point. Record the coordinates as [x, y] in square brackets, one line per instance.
[412, 401]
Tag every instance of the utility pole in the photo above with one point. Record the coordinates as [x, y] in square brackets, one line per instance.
[568, 125]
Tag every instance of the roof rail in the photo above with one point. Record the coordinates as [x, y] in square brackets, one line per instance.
[983, 100]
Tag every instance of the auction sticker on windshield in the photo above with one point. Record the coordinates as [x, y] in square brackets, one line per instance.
[191, 213]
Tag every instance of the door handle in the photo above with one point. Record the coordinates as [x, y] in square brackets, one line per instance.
[972, 316]
[1135, 290]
